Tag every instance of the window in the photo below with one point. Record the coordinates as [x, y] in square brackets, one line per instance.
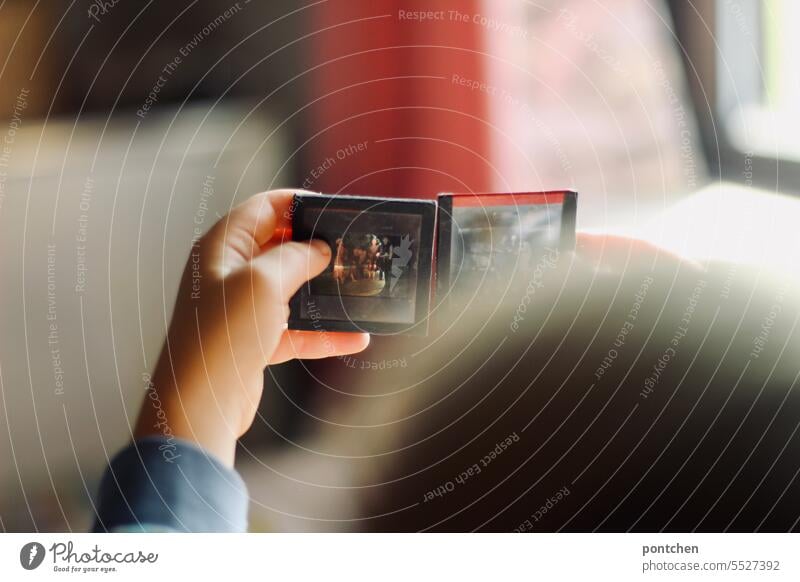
[757, 76]
[756, 92]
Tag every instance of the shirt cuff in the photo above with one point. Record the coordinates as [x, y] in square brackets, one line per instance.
[168, 484]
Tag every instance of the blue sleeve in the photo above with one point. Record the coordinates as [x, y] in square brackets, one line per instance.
[166, 484]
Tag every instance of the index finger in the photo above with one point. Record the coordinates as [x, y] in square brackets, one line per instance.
[262, 214]
[249, 227]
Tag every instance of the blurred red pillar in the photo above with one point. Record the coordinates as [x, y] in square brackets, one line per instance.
[388, 80]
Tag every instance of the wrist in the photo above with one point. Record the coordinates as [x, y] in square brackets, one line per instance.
[195, 414]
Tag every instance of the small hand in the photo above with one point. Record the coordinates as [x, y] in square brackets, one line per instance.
[230, 322]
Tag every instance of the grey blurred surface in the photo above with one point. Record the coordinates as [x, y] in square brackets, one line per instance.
[97, 221]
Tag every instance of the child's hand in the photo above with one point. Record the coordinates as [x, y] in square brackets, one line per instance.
[230, 323]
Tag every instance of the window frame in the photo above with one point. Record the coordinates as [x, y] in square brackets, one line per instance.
[716, 87]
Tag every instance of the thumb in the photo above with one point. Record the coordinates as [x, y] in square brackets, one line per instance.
[291, 264]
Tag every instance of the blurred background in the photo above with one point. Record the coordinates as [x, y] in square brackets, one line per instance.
[128, 125]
